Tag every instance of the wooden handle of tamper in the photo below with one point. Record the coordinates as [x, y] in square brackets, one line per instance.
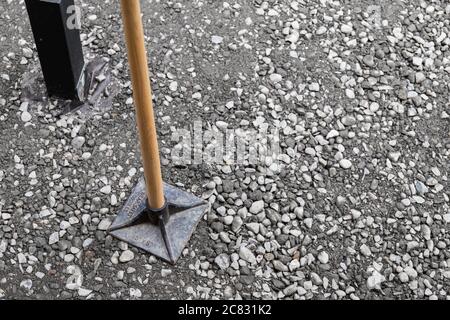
[142, 93]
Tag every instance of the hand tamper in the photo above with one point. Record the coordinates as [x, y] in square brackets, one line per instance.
[157, 217]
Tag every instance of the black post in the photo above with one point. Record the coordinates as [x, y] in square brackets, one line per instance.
[59, 46]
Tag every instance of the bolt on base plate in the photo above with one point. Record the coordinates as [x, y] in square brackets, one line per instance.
[164, 237]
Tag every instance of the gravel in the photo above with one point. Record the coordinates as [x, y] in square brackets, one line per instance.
[354, 206]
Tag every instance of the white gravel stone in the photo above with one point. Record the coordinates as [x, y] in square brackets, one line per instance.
[332, 134]
[395, 156]
[403, 276]
[75, 280]
[321, 30]
[228, 220]
[106, 189]
[347, 29]
[113, 200]
[323, 257]
[345, 164]
[135, 293]
[217, 39]
[375, 280]
[237, 224]
[294, 265]
[293, 37]
[247, 255]
[350, 93]
[84, 292]
[78, 142]
[365, 250]
[21, 258]
[104, 224]
[254, 227]
[165, 272]
[257, 207]
[411, 272]
[356, 214]
[315, 87]
[275, 78]
[54, 238]
[26, 116]
[173, 86]
[126, 256]
[223, 261]
[26, 284]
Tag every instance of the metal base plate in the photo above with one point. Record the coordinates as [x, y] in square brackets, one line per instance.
[185, 211]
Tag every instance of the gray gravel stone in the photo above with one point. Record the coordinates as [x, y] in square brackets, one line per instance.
[78, 142]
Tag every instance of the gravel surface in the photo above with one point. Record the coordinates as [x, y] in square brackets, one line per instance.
[359, 208]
